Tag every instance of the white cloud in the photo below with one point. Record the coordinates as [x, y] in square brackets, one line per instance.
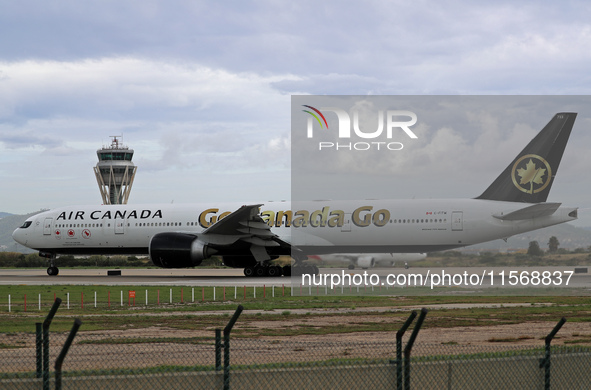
[132, 86]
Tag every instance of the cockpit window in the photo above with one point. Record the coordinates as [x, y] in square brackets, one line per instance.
[26, 224]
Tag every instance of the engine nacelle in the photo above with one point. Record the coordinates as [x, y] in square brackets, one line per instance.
[366, 262]
[178, 250]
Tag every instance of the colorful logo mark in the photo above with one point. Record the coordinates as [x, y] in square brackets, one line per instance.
[315, 116]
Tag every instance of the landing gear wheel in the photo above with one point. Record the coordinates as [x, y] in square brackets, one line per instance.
[406, 265]
[249, 271]
[53, 271]
[351, 266]
[274, 271]
[261, 271]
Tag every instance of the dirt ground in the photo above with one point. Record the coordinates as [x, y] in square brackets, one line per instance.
[527, 333]
[91, 352]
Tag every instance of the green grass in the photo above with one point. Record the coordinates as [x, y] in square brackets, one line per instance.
[297, 310]
[10, 346]
[509, 339]
[119, 371]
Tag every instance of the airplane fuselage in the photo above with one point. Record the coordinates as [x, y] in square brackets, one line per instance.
[319, 227]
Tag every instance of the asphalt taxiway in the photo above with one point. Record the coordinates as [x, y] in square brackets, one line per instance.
[469, 278]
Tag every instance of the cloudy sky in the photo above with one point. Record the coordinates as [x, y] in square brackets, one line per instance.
[202, 90]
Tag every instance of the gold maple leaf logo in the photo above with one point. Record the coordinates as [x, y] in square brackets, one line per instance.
[531, 174]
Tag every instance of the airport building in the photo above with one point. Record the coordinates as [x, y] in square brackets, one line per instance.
[115, 172]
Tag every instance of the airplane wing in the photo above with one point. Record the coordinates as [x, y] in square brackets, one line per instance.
[237, 220]
[246, 225]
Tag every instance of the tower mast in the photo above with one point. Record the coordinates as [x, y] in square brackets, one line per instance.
[115, 172]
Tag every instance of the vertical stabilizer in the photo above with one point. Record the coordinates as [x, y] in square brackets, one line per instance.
[530, 175]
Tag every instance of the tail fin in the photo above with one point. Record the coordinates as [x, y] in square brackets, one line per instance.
[531, 174]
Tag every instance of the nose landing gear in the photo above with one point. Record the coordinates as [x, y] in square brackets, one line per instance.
[52, 270]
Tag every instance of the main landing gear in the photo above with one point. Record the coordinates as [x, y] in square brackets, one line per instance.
[267, 270]
[52, 270]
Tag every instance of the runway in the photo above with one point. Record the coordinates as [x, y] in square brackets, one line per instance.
[469, 278]
[133, 276]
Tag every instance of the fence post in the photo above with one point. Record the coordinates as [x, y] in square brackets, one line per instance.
[60, 359]
[38, 348]
[545, 361]
[46, 324]
[409, 345]
[227, 331]
[218, 349]
[399, 335]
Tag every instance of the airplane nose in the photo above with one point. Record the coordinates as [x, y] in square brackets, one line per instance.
[19, 236]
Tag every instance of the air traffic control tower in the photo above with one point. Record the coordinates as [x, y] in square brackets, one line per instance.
[115, 172]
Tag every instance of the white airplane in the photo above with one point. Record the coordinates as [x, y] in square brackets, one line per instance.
[369, 260]
[250, 236]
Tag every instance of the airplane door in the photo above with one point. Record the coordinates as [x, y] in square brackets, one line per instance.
[457, 221]
[119, 224]
[347, 223]
[47, 226]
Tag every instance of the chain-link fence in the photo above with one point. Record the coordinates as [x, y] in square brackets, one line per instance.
[112, 360]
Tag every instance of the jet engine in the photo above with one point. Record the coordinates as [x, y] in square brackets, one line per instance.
[366, 262]
[178, 250]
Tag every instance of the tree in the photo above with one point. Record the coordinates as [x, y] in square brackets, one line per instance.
[534, 249]
[553, 244]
